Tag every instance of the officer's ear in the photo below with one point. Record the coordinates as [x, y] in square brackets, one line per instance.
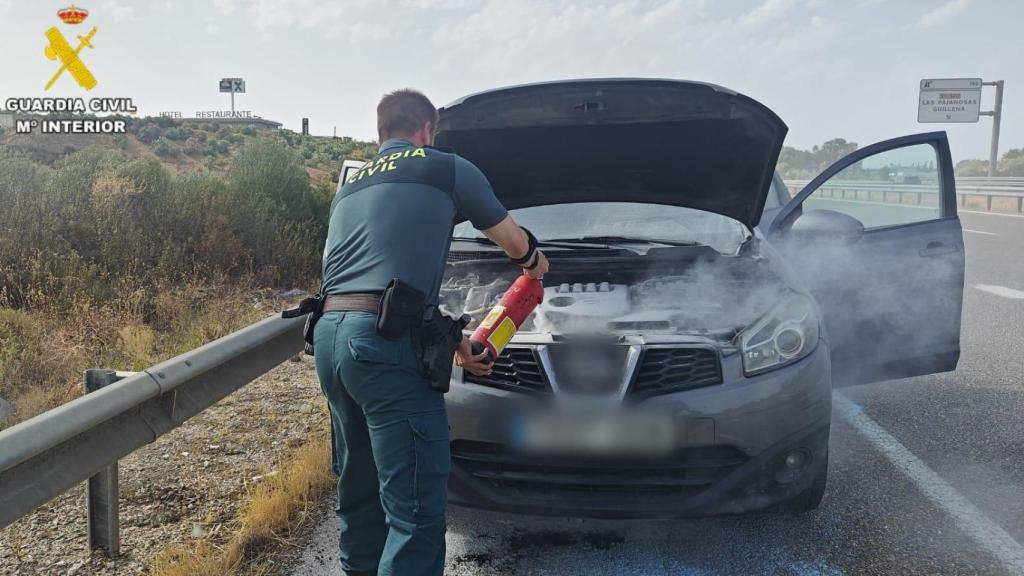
[428, 133]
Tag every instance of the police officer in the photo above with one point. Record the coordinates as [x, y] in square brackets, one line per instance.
[393, 219]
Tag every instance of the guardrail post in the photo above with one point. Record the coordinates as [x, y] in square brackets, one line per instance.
[101, 490]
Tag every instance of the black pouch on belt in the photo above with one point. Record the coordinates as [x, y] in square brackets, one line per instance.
[400, 309]
[314, 307]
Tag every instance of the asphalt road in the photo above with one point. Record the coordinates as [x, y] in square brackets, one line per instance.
[927, 475]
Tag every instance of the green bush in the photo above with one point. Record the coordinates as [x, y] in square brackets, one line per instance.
[148, 133]
[177, 134]
[165, 150]
[97, 214]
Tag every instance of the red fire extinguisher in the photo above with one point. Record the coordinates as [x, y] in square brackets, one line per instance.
[501, 323]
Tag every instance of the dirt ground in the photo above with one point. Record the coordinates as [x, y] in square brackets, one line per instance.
[187, 485]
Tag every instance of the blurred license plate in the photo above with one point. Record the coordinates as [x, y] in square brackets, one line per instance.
[618, 433]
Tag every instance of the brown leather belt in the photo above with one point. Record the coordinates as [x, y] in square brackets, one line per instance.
[346, 302]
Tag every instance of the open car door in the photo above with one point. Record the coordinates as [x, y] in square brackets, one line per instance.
[877, 240]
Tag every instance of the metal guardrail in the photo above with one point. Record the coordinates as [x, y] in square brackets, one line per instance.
[46, 455]
[992, 181]
[967, 189]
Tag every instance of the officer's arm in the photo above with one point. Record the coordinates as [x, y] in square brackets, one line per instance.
[476, 202]
[514, 242]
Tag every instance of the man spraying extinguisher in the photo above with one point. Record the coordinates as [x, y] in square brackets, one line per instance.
[387, 243]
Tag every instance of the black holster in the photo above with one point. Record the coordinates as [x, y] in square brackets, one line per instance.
[435, 342]
[314, 307]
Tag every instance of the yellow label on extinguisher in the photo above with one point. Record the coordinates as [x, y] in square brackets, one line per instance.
[492, 316]
[502, 334]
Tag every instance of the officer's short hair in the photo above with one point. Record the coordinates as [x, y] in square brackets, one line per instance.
[403, 112]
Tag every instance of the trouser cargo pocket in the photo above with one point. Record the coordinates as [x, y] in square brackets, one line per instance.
[433, 463]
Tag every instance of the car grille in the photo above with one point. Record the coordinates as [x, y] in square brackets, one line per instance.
[515, 369]
[665, 370]
[660, 371]
[587, 369]
[687, 472]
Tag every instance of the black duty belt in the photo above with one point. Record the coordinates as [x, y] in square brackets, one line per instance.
[348, 302]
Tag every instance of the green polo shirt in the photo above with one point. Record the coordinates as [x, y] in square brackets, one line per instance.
[390, 221]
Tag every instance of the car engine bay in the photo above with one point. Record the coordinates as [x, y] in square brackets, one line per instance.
[710, 297]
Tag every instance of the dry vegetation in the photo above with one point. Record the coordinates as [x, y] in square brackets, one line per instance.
[108, 260]
[268, 518]
[119, 252]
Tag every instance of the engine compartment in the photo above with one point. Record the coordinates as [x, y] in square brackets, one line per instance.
[714, 297]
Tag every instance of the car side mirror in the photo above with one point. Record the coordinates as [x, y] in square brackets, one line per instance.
[828, 224]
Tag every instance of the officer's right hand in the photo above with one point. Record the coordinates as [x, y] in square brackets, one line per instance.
[540, 269]
[472, 363]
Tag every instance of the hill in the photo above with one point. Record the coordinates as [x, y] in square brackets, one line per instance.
[187, 146]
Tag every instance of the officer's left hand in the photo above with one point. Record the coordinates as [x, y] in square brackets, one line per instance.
[472, 363]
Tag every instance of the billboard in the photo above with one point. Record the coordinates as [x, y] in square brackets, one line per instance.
[232, 85]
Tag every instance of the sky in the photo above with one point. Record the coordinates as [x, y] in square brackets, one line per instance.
[829, 68]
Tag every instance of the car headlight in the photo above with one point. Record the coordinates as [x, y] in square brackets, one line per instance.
[787, 333]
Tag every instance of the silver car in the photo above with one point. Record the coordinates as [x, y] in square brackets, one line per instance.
[695, 317]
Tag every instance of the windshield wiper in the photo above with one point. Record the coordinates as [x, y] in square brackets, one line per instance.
[625, 239]
[570, 244]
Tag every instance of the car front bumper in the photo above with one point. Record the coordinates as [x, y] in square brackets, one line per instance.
[731, 443]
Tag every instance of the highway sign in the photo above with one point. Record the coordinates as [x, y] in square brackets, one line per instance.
[949, 100]
[232, 85]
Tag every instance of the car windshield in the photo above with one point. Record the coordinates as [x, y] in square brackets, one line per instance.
[632, 220]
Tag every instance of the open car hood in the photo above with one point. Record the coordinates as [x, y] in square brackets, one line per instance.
[620, 140]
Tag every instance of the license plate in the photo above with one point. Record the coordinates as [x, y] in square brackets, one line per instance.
[617, 433]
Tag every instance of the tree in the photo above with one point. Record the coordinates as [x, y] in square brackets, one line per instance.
[971, 167]
[795, 163]
[1012, 163]
[833, 150]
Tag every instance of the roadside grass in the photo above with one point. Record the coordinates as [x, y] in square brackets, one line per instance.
[44, 349]
[267, 520]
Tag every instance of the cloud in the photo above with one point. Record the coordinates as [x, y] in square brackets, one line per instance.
[554, 31]
[118, 11]
[224, 6]
[768, 12]
[460, 46]
[942, 14]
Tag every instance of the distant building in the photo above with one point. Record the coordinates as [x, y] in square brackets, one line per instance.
[254, 121]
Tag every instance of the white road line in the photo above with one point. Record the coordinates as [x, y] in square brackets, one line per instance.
[980, 232]
[1001, 291]
[986, 533]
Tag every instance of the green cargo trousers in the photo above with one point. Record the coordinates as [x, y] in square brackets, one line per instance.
[391, 449]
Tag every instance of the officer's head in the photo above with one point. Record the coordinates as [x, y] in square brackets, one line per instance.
[407, 114]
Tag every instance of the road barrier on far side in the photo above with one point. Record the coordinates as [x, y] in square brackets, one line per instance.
[1004, 195]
